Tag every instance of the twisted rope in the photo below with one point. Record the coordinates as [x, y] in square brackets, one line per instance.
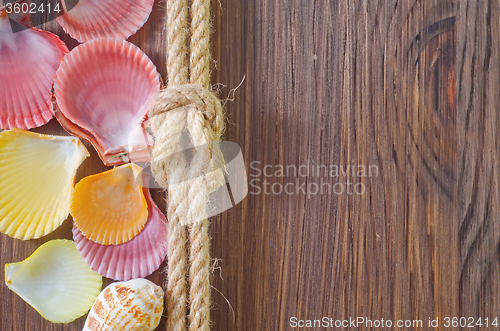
[193, 107]
[200, 43]
[177, 37]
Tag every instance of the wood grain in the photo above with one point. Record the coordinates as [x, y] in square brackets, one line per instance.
[409, 87]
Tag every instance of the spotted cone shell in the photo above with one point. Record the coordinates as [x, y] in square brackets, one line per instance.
[135, 305]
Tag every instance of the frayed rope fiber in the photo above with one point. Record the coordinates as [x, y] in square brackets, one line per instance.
[187, 104]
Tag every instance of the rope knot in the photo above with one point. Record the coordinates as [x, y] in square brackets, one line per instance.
[200, 111]
[192, 96]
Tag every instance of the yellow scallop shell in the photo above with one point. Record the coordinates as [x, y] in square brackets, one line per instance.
[56, 281]
[110, 208]
[135, 305]
[37, 175]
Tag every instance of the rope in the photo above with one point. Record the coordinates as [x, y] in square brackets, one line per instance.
[192, 107]
[177, 37]
[200, 43]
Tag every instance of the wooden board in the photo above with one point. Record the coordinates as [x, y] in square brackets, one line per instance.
[410, 88]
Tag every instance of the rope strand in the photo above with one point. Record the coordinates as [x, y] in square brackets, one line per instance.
[193, 107]
[200, 43]
[177, 42]
[178, 73]
[199, 253]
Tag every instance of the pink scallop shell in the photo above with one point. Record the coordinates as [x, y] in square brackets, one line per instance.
[136, 258]
[91, 19]
[103, 90]
[29, 61]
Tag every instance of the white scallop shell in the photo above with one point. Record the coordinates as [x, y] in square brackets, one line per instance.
[135, 305]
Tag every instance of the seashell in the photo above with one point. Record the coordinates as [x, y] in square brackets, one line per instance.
[55, 281]
[110, 208]
[135, 305]
[91, 19]
[21, 20]
[136, 258]
[37, 173]
[29, 61]
[108, 101]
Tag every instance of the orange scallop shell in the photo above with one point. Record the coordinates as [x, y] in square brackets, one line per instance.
[110, 208]
[136, 258]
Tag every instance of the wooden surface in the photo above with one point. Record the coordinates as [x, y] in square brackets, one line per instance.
[409, 87]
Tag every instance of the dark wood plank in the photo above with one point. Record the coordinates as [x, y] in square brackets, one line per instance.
[478, 156]
[371, 83]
